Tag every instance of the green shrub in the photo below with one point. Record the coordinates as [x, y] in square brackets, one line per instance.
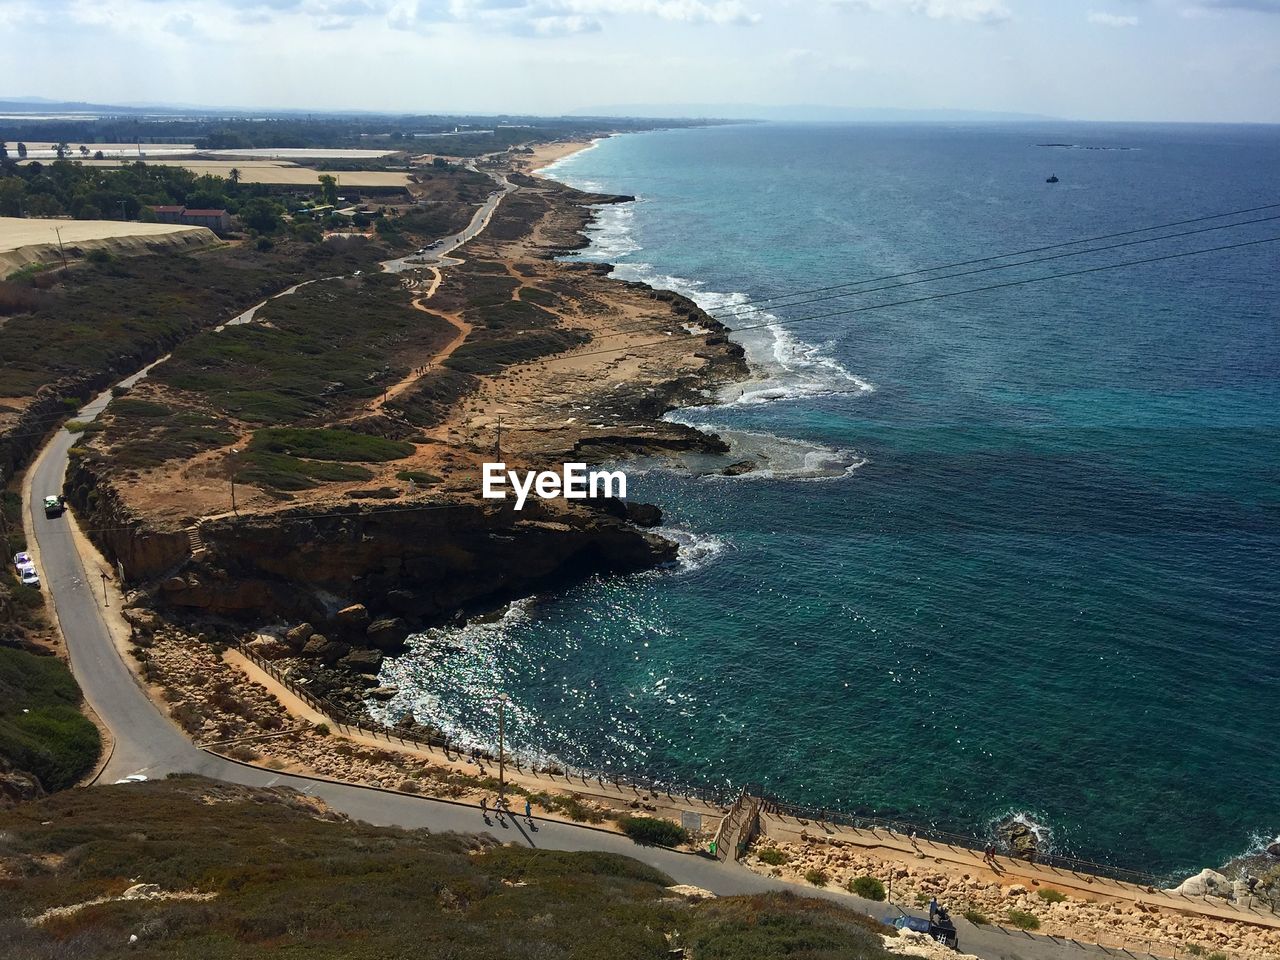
[328, 444]
[818, 878]
[571, 805]
[869, 888]
[772, 856]
[652, 831]
[280, 472]
[1024, 920]
[1195, 949]
[1050, 895]
[41, 727]
[1216, 955]
[976, 917]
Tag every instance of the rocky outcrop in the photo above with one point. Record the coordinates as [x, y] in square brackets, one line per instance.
[1205, 883]
[17, 786]
[145, 551]
[423, 566]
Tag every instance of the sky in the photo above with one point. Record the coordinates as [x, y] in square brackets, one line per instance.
[1157, 60]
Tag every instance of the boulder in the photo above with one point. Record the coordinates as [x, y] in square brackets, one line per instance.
[142, 891]
[270, 648]
[644, 514]
[363, 661]
[144, 620]
[353, 619]
[387, 634]
[1017, 890]
[384, 693]
[320, 647]
[1205, 883]
[299, 635]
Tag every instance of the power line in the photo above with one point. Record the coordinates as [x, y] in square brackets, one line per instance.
[1018, 253]
[936, 296]
[619, 331]
[624, 329]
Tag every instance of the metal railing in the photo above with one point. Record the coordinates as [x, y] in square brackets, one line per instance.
[345, 720]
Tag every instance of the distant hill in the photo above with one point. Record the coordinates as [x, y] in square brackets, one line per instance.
[806, 113]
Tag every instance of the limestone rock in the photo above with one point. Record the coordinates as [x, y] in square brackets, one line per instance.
[322, 648]
[387, 634]
[142, 891]
[353, 619]
[299, 635]
[270, 648]
[1205, 883]
[384, 693]
[363, 661]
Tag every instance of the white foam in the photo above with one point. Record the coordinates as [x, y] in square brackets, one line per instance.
[693, 550]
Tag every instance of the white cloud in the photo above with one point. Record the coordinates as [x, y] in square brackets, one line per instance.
[1112, 19]
[562, 17]
[972, 11]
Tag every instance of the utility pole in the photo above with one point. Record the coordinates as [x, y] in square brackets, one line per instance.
[123, 215]
[502, 711]
[235, 461]
[498, 445]
[61, 250]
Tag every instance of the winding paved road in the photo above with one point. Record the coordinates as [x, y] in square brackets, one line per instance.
[148, 743]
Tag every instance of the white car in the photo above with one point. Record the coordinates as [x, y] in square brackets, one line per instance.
[22, 559]
[133, 778]
[27, 574]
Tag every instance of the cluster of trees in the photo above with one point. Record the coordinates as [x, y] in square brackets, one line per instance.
[62, 188]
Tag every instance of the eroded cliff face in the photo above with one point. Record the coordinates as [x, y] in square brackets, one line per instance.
[424, 562]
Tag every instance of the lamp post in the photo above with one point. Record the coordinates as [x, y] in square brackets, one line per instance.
[235, 460]
[502, 717]
[104, 589]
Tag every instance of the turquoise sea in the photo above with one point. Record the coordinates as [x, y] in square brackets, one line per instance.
[1013, 551]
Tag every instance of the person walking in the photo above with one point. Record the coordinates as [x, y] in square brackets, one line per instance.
[484, 807]
[989, 855]
[528, 809]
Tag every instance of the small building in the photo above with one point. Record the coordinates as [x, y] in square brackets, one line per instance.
[219, 221]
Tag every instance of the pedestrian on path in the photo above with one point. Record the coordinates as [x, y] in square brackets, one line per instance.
[484, 807]
[528, 809]
[989, 855]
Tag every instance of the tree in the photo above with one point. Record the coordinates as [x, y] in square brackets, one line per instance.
[84, 151]
[234, 175]
[4, 150]
[61, 149]
[22, 151]
[261, 215]
[329, 188]
[12, 191]
[97, 154]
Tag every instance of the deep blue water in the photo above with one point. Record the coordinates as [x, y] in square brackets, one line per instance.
[1051, 583]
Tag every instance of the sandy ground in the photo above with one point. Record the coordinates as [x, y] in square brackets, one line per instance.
[29, 240]
[270, 171]
[548, 153]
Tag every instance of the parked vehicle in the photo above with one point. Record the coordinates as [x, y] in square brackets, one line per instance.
[27, 574]
[937, 926]
[22, 559]
[55, 506]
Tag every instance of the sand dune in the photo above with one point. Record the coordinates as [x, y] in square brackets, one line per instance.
[24, 241]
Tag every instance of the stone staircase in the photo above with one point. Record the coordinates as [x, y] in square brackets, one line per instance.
[196, 542]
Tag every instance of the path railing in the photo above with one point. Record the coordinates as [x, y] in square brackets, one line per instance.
[730, 832]
[345, 720]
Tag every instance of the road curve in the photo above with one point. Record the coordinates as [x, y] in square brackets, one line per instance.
[148, 743]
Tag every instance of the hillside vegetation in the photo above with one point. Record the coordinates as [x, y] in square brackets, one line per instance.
[285, 878]
[42, 732]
